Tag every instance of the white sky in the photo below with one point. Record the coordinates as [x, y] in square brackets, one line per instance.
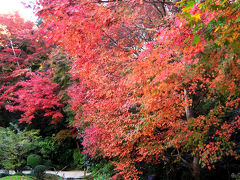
[9, 6]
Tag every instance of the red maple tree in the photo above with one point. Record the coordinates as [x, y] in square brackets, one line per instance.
[145, 83]
[22, 52]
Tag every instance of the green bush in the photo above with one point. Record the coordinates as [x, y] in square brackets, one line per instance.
[3, 174]
[60, 154]
[15, 146]
[39, 171]
[47, 163]
[33, 160]
[78, 159]
[18, 174]
[102, 170]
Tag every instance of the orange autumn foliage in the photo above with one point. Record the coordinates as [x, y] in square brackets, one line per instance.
[145, 83]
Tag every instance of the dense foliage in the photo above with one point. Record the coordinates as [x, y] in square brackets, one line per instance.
[152, 85]
[28, 94]
[15, 147]
[148, 84]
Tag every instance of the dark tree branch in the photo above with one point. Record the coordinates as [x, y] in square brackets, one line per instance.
[156, 7]
[115, 42]
[164, 10]
[159, 2]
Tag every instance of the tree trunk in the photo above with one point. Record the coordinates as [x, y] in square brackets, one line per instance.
[188, 110]
[78, 147]
[196, 168]
[195, 164]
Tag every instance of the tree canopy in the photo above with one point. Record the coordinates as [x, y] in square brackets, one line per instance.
[149, 81]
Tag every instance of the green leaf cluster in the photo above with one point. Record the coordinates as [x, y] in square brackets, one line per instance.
[15, 145]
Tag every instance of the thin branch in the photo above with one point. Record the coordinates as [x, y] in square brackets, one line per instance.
[158, 2]
[187, 106]
[156, 7]
[14, 53]
[115, 42]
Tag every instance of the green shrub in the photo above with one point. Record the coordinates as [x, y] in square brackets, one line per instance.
[15, 146]
[33, 160]
[47, 163]
[102, 170]
[3, 174]
[18, 174]
[39, 171]
[78, 159]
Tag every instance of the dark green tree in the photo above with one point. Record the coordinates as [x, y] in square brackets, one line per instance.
[15, 146]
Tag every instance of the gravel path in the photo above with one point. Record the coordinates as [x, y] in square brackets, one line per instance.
[64, 174]
[69, 174]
